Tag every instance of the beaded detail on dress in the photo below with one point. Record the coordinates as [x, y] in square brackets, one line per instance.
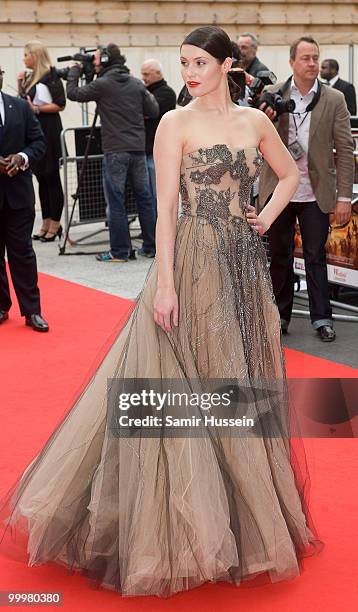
[222, 180]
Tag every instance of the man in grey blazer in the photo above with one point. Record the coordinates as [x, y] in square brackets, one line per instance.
[319, 123]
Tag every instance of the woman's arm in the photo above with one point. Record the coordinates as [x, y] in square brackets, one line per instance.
[45, 108]
[281, 162]
[51, 94]
[167, 152]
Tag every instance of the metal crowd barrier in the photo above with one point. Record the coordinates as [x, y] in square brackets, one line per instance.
[91, 206]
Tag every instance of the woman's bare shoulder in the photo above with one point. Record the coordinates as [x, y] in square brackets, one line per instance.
[249, 112]
[174, 123]
[256, 117]
[176, 116]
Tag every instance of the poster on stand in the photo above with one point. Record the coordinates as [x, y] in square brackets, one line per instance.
[342, 252]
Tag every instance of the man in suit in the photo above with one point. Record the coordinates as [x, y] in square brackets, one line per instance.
[319, 123]
[248, 45]
[329, 72]
[19, 131]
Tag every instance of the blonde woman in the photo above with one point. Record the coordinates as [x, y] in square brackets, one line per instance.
[43, 89]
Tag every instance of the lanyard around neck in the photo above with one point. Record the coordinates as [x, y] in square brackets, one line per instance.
[300, 124]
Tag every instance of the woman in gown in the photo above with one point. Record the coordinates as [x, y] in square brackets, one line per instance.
[160, 514]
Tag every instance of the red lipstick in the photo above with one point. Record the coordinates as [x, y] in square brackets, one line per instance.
[192, 83]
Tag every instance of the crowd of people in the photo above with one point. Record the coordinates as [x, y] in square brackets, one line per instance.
[130, 110]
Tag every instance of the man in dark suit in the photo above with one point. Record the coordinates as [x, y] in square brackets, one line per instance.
[19, 131]
[329, 71]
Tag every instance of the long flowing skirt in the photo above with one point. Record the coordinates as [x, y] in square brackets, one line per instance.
[159, 514]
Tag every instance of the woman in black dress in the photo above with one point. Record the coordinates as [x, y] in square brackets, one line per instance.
[43, 89]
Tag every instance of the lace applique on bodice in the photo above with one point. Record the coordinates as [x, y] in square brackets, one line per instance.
[216, 182]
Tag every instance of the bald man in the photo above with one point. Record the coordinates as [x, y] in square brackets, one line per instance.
[152, 76]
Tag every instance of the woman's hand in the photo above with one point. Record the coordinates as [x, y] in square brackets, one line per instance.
[166, 309]
[256, 221]
[34, 108]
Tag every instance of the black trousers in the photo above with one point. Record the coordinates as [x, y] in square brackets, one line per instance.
[51, 195]
[314, 225]
[15, 237]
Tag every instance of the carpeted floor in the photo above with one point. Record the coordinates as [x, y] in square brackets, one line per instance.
[41, 374]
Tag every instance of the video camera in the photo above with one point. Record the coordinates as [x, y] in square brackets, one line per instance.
[85, 57]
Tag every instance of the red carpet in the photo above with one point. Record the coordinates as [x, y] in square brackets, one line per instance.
[40, 376]
[301, 365]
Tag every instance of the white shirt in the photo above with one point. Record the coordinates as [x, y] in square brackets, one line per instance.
[333, 81]
[302, 122]
[2, 114]
[42, 95]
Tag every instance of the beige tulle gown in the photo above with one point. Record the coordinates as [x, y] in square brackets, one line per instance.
[160, 514]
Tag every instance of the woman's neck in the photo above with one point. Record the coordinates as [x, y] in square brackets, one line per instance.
[218, 101]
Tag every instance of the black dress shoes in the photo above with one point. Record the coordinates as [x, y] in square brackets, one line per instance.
[4, 315]
[37, 322]
[326, 333]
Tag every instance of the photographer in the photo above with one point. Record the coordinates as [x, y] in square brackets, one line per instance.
[319, 123]
[241, 78]
[122, 102]
[248, 45]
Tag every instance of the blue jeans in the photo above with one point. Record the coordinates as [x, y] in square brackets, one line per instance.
[152, 184]
[117, 167]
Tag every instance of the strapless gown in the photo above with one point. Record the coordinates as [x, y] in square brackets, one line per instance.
[157, 515]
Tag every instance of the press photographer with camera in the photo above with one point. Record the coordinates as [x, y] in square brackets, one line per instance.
[122, 103]
[318, 123]
[248, 45]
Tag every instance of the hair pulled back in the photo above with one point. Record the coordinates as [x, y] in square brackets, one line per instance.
[217, 43]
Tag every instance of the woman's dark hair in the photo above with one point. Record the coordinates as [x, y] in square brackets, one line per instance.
[217, 43]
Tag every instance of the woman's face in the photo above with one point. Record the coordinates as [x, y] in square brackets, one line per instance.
[201, 72]
[29, 59]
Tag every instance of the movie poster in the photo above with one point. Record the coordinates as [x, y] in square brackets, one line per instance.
[341, 248]
[342, 252]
